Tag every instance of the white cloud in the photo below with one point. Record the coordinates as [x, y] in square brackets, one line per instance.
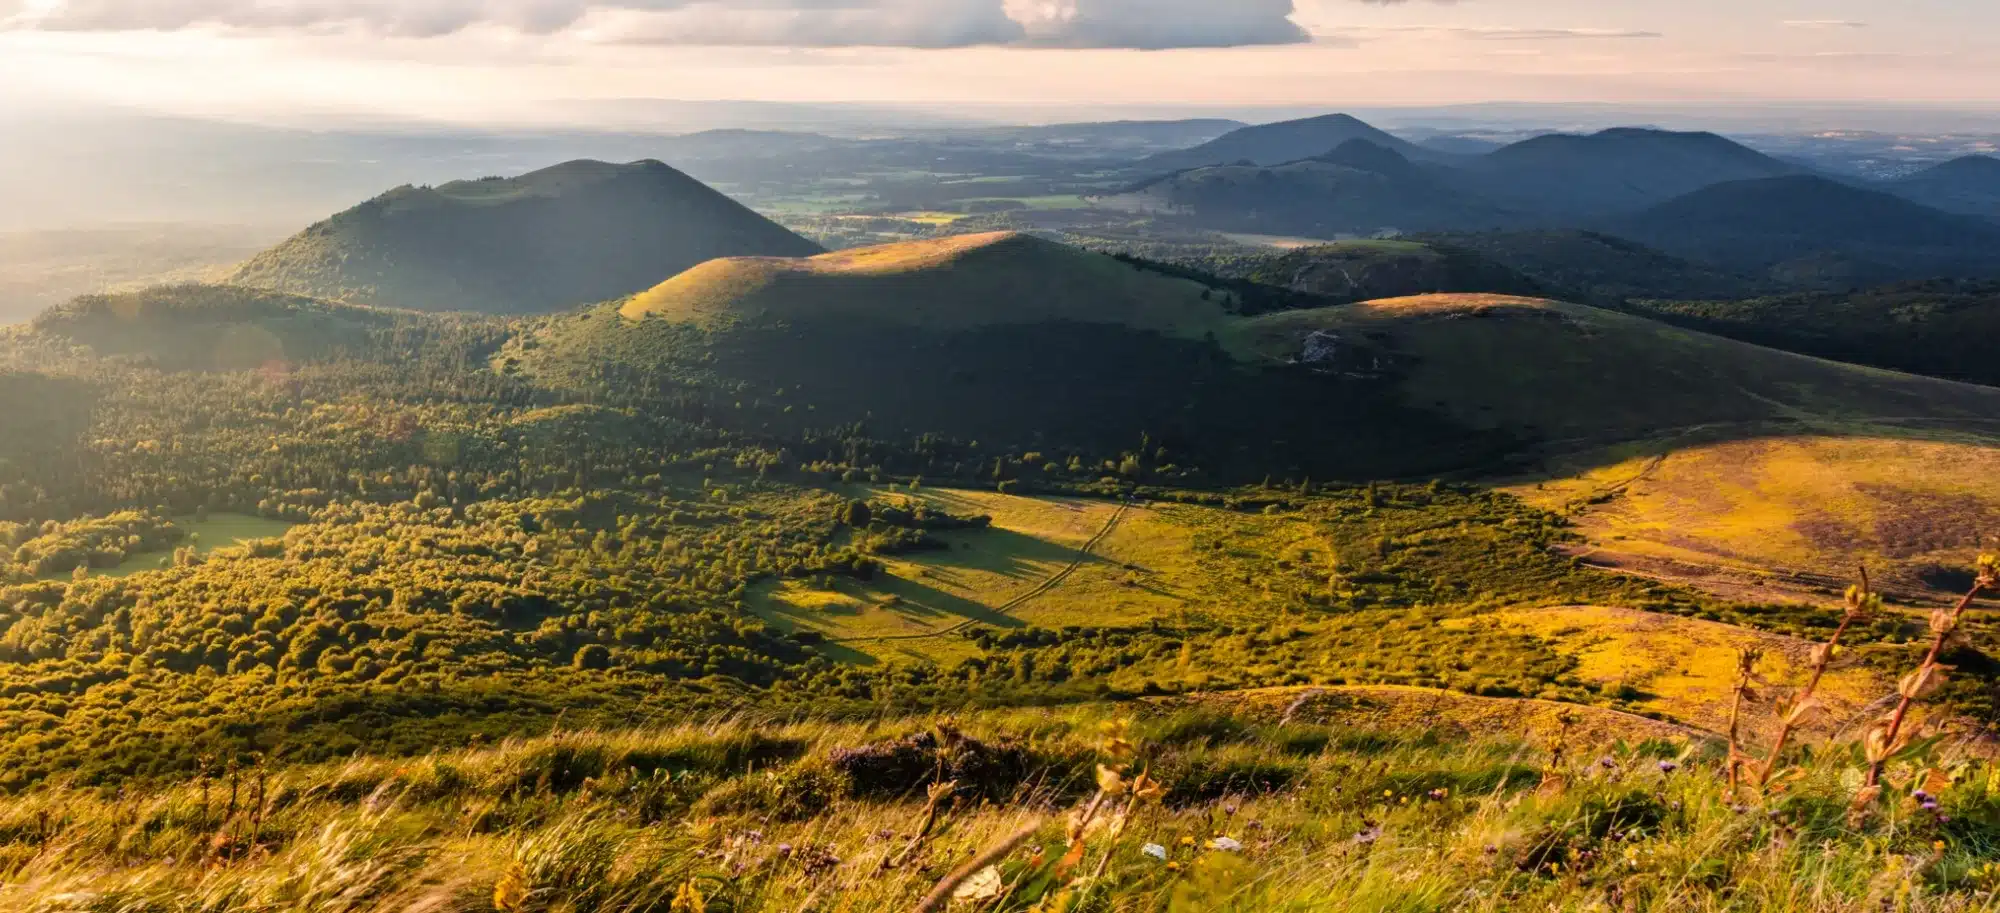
[1154, 24]
[885, 23]
[1145, 24]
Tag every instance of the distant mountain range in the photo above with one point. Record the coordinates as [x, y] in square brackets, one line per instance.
[1694, 195]
[572, 234]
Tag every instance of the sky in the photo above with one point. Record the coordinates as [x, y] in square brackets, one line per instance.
[500, 60]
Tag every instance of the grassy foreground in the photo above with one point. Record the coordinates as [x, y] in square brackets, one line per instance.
[1250, 813]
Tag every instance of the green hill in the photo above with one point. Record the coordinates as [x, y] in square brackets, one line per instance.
[1599, 268]
[1350, 271]
[213, 327]
[954, 283]
[568, 235]
[1026, 345]
[1571, 375]
[1940, 327]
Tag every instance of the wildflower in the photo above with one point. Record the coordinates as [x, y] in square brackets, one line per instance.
[1173, 866]
[1225, 844]
[1187, 841]
[689, 899]
[1938, 845]
[1667, 767]
[1439, 795]
[1921, 796]
[1118, 739]
[512, 890]
[1368, 835]
[1608, 762]
[1929, 805]
[1154, 850]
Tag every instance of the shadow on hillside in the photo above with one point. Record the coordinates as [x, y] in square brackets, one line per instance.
[1005, 552]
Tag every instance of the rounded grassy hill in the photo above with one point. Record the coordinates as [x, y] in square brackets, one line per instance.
[952, 283]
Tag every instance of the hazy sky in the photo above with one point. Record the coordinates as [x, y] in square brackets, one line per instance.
[486, 59]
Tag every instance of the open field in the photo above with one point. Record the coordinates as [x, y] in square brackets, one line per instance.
[1045, 562]
[205, 536]
[1785, 510]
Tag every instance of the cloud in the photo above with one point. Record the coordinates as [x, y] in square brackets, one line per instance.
[1157, 24]
[1141, 24]
[882, 23]
[1824, 24]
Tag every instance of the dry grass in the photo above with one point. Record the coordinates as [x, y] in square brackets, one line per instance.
[1814, 505]
[1681, 668]
[1443, 714]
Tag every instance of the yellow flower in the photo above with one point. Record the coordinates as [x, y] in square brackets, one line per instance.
[511, 892]
[1939, 846]
[1187, 841]
[689, 899]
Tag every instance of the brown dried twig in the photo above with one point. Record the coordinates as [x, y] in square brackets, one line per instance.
[1862, 604]
[1886, 737]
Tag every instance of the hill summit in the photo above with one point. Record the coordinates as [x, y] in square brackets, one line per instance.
[573, 234]
[1287, 141]
[1619, 169]
[958, 282]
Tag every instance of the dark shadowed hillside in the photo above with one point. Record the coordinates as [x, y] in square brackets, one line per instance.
[1782, 223]
[1622, 169]
[568, 235]
[1349, 271]
[1944, 328]
[1360, 188]
[1600, 268]
[1969, 185]
[1289, 141]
